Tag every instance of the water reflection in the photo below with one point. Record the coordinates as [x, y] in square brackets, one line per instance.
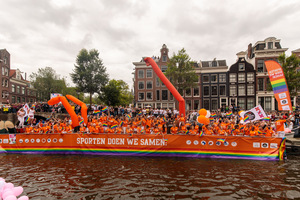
[90, 177]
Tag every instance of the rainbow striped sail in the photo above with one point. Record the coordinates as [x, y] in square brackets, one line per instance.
[279, 86]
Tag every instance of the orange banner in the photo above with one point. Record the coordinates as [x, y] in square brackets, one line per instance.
[279, 85]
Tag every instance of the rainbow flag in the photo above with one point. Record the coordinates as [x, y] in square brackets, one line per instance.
[139, 114]
[166, 140]
[81, 122]
[266, 119]
[279, 86]
[213, 115]
[27, 120]
[128, 116]
[130, 134]
[211, 119]
[187, 132]
[229, 114]
[121, 124]
[246, 119]
[33, 106]
[164, 119]
[201, 134]
[105, 125]
[221, 140]
[232, 130]
[96, 112]
[114, 126]
[241, 128]
[104, 109]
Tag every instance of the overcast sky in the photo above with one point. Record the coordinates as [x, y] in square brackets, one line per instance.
[40, 33]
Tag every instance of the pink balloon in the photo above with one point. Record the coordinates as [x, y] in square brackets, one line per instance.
[8, 185]
[11, 197]
[7, 193]
[17, 191]
[23, 198]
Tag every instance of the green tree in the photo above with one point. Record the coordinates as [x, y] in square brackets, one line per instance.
[116, 93]
[46, 81]
[89, 74]
[181, 71]
[292, 76]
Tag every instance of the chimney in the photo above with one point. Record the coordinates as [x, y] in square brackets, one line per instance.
[249, 50]
[25, 76]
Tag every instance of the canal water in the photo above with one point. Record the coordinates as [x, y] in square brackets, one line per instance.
[90, 177]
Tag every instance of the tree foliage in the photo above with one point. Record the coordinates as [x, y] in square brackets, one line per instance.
[116, 93]
[292, 76]
[46, 81]
[89, 74]
[181, 72]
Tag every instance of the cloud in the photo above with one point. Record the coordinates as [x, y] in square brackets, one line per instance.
[51, 33]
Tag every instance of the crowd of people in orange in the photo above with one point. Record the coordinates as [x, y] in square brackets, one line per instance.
[149, 124]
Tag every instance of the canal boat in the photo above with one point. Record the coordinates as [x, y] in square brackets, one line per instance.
[196, 146]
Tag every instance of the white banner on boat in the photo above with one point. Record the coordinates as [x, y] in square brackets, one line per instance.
[254, 114]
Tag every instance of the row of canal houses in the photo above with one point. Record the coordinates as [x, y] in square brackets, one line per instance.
[243, 84]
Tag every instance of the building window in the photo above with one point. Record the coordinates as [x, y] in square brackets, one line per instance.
[206, 91]
[171, 96]
[250, 103]
[23, 90]
[268, 103]
[188, 104]
[232, 90]
[157, 82]
[265, 102]
[18, 100]
[223, 102]
[241, 67]
[149, 85]
[188, 92]
[250, 77]
[164, 58]
[232, 78]
[196, 92]
[18, 90]
[222, 78]
[164, 94]
[164, 105]
[214, 104]
[6, 71]
[241, 90]
[23, 99]
[214, 78]
[3, 71]
[260, 84]
[4, 82]
[241, 103]
[157, 95]
[214, 63]
[260, 66]
[270, 45]
[141, 85]
[141, 73]
[250, 89]
[241, 78]
[141, 96]
[205, 78]
[206, 104]
[214, 90]
[13, 88]
[222, 90]
[149, 96]
[13, 99]
[149, 73]
[196, 105]
[164, 68]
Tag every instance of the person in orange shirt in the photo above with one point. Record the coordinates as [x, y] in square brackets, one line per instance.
[29, 129]
[174, 129]
[280, 127]
[252, 132]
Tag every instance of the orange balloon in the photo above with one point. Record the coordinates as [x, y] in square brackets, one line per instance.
[203, 120]
[202, 112]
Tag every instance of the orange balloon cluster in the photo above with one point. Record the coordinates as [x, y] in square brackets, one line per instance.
[202, 119]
